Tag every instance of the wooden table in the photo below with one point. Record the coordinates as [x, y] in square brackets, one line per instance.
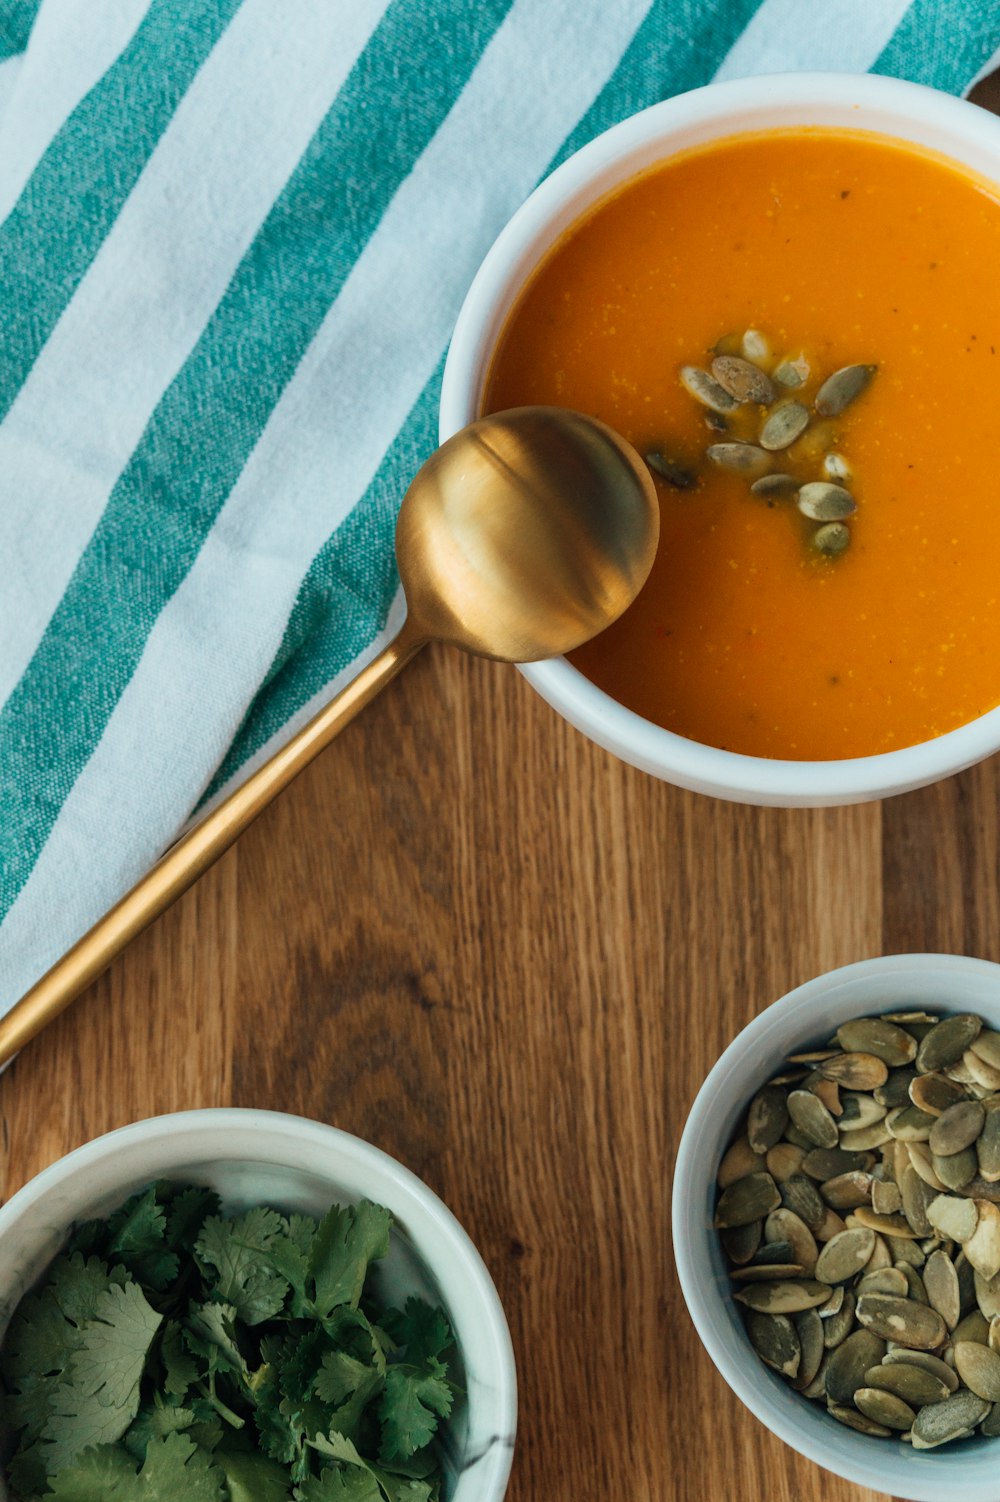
[480, 942]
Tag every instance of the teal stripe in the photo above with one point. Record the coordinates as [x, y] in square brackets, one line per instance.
[345, 597]
[77, 190]
[346, 594]
[679, 46]
[16, 20]
[942, 44]
[208, 421]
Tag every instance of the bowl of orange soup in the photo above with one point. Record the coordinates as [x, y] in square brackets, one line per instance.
[784, 292]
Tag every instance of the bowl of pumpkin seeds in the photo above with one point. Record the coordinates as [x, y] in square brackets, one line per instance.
[836, 1222]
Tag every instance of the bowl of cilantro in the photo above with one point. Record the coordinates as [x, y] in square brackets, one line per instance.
[244, 1306]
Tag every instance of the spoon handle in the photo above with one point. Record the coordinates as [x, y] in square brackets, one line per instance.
[192, 855]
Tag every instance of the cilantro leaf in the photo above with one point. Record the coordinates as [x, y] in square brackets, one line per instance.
[252, 1478]
[187, 1211]
[238, 1250]
[174, 1468]
[345, 1242]
[413, 1401]
[98, 1396]
[179, 1367]
[210, 1332]
[419, 1330]
[340, 1486]
[392, 1488]
[137, 1238]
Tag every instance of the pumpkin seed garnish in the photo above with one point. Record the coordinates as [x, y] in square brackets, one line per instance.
[775, 487]
[844, 1255]
[705, 389]
[855, 1420]
[680, 476]
[909, 1382]
[831, 540]
[842, 388]
[849, 1363]
[754, 346]
[783, 425]
[744, 381]
[812, 1117]
[979, 1368]
[937, 1423]
[835, 467]
[792, 373]
[874, 1035]
[767, 1118]
[739, 458]
[774, 1338]
[947, 1041]
[822, 501]
[748, 1199]
[883, 1407]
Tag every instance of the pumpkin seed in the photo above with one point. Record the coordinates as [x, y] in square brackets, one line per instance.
[739, 458]
[974, 1327]
[958, 1170]
[855, 1420]
[990, 1425]
[792, 372]
[705, 389]
[909, 1382]
[880, 1258]
[884, 1408]
[979, 1369]
[920, 1160]
[748, 1199]
[947, 1041]
[934, 1093]
[776, 487]
[812, 1117]
[953, 1217]
[889, 1280]
[744, 381]
[966, 1281]
[784, 1297]
[876, 1036]
[681, 476]
[902, 1320]
[956, 1129]
[848, 1190]
[859, 1112]
[855, 1071]
[844, 1255]
[785, 1226]
[809, 1329]
[847, 1366]
[830, 1162]
[993, 1334]
[988, 1295]
[831, 1225]
[860, 1140]
[937, 1423]
[983, 1074]
[783, 1160]
[987, 1046]
[983, 1246]
[914, 1283]
[766, 1272]
[886, 1198]
[926, 1362]
[767, 1118]
[906, 1251]
[801, 1195]
[822, 501]
[828, 1091]
[740, 1243]
[988, 1146]
[836, 467]
[797, 1138]
[842, 388]
[783, 425]
[738, 1161]
[941, 1284]
[908, 1124]
[771, 1252]
[916, 1196]
[817, 1387]
[838, 1322]
[895, 1091]
[774, 1338]
[889, 1225]
[754, 346]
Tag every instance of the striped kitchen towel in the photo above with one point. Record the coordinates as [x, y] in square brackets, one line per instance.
[234, 237]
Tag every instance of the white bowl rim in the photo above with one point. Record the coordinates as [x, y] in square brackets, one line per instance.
[687, 1177]
[414, 1200]
[663, 753]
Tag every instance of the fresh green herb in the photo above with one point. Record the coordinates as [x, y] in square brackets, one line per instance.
[173, 1352]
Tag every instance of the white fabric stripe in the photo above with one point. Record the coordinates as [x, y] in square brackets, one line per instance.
[231, 146]
[789, 35]
[10, 72]
[988, 67]
[215, 640]
[72, 46]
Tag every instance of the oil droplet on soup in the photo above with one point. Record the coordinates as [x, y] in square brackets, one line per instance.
[857, 249]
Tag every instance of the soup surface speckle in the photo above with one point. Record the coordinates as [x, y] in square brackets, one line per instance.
[856, 250]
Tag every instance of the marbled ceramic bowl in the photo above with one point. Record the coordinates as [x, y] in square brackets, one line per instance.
[263, 1157]
[802, 1019]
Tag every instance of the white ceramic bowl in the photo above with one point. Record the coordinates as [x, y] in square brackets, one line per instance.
[263, 1157]
[939, 982]
[907, 111]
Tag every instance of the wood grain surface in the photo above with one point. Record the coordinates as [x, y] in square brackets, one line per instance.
[480, 942]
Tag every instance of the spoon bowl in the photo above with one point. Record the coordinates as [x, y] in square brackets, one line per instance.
[522, 537]
[526, 534]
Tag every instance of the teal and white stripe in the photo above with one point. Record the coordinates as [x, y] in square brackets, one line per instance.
[235, 237]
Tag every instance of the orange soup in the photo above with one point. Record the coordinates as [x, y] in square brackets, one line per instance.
[851, 249]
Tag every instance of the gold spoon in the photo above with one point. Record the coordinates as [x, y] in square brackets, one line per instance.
[521, 538]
